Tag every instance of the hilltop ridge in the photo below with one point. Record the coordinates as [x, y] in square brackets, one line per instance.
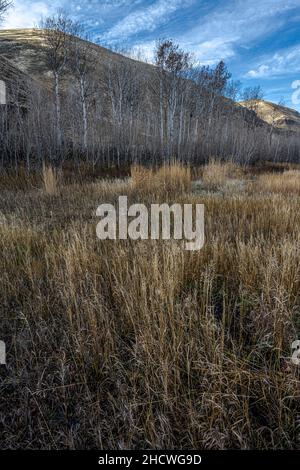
[278, 116]
[24, 48]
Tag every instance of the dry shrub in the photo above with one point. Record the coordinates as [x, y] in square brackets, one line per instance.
[50, 180]
[216, 174]
[168, 178]
[286, 182]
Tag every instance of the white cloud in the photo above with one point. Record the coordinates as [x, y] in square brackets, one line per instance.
[27, 14]
[238, 23]
[145, 19]
[282, 63]
[212, 51]
[219, 34]
[261, 71]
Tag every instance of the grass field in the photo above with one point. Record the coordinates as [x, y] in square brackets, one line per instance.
[141, 344]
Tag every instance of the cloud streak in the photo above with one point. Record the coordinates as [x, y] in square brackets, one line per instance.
[27, 14]
[219, 34]
[145, 19]
[24, 15]
[279, 64]
[233, 25]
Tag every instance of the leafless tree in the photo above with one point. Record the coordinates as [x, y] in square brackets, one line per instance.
[58, 32]
[233, 90]
[4, 5]
[172, 63]
[253, 95]
[82, 65]
[123, 83]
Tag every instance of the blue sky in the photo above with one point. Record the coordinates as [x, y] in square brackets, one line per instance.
[258, 39]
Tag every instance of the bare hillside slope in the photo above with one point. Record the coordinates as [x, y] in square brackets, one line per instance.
[276, 115]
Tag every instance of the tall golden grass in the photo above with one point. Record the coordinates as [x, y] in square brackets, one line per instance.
[216, 173]
[50, 180]
[171, 178]
[122, 344]
[286, 182]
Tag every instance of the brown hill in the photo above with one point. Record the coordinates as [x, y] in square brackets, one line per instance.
[278, 116]
[25, 50]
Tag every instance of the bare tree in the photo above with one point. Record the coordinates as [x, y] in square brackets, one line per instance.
[82, 64]
[57, 32]
[123, 83]
[121, 111]
[253, 95]
[172, 63]
[4, 5]
[233, 90]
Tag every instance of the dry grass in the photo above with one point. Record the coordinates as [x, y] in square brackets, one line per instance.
[216, 174]
[50, 180]
[124, 344]
[286, 182]
[166, 179]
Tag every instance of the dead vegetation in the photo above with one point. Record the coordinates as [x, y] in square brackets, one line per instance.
[217, 174]
[50, 180]
[286, 182]
[166, 179]
[142, 344]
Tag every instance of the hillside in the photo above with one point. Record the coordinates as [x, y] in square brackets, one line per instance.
[22, 55]
[25, 50]
[276, 115]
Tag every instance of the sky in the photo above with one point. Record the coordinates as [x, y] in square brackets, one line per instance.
[258, 39]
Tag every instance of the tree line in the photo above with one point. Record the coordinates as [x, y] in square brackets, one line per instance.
[107, 109]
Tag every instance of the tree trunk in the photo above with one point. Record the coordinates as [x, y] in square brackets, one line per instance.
[84, 114]
[57, 109]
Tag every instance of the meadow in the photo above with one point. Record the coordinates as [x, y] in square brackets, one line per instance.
[142, 344]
